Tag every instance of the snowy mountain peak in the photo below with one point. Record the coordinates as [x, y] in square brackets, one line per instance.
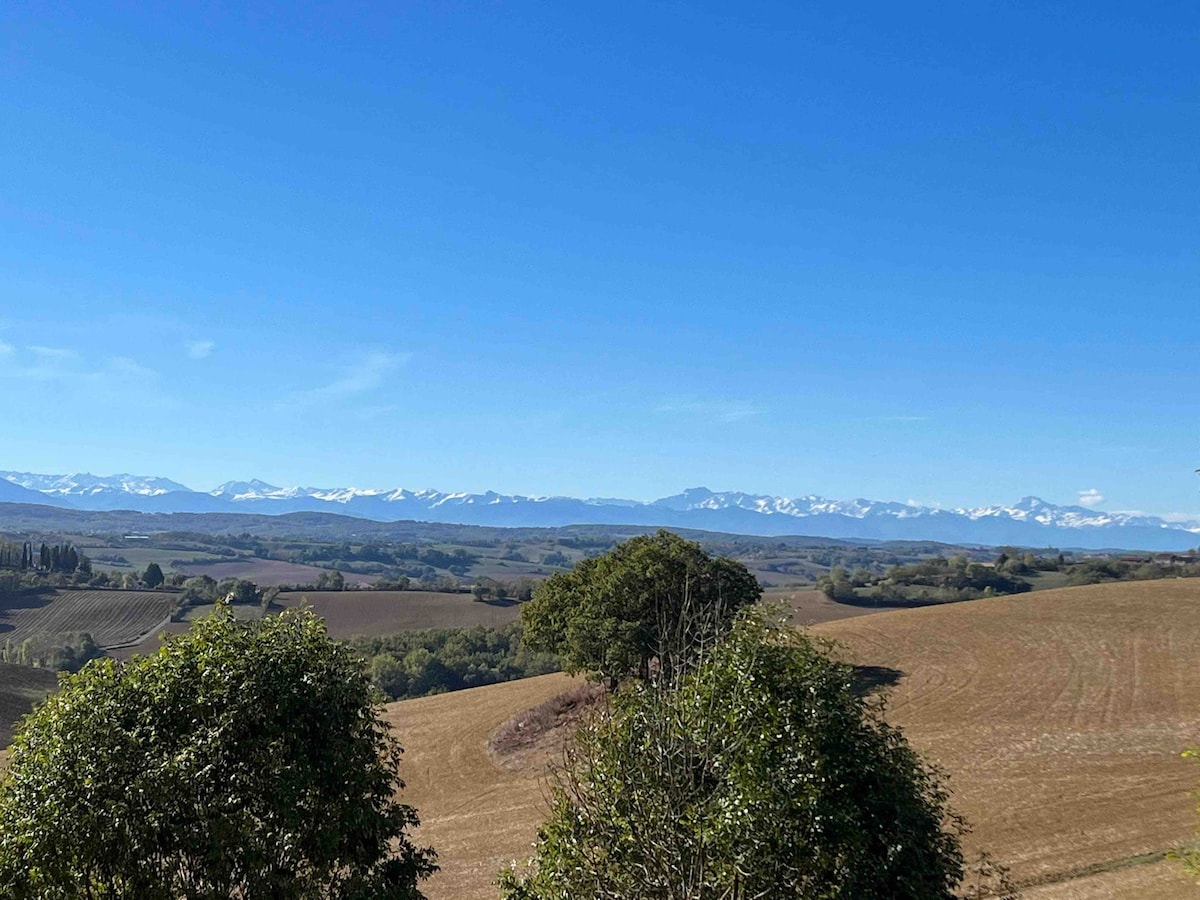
[254, 486]
[85, 483]
[1031, 521]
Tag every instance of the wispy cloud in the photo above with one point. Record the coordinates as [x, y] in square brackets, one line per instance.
[1178, 516]
[1090, 497]
[714, 410]
[115, 379]
[200, 349]
[362, 377]
[38, 363]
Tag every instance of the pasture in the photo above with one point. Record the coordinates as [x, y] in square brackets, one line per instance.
[351, 613]
[1058, 716]
[112, 618]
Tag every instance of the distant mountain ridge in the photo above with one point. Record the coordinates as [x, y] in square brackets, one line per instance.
[1029, 522]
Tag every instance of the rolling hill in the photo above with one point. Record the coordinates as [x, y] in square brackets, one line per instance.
[1059, 717]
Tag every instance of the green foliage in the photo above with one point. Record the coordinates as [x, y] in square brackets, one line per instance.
[614, 615]
[243, 591]
[54, 558]
[433, 661]
[956, 578]
[153, 576]
[16, 556]
[67, 652]
[242, 759]
[331, 581]
[765, 774]
[1100, 570]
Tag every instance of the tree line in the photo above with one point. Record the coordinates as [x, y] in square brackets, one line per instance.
[942, 579]
[62, 558]
[931, 580]
[437, 660]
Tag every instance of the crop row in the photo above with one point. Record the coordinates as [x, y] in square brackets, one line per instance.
[112, 618]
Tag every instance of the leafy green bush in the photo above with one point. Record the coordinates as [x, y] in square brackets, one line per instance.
[243, 759]
[436, 660]
[765, 774]
[69, 651]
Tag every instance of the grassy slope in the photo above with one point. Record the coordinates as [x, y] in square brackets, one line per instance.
[1059, 716]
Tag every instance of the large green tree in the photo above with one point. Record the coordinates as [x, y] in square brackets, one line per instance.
[764, 773]
[153, 576]
[652, 604]
[242, 759]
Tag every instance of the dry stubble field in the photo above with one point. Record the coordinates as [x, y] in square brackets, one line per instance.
[1058, 715]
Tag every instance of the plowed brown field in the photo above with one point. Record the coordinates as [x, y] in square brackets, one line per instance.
[112, 618]
[20, 688]
[350, 613]
[1058, 715]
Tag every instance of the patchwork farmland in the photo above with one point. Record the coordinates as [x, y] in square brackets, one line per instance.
[112, 618]
[1059, 717]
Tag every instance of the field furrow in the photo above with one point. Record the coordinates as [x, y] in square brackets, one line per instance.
[112, 618]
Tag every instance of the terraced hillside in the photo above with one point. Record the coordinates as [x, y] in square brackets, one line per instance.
[1058, 715]
[112, 618]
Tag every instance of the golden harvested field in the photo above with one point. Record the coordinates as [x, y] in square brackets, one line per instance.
[112, 618]
[1059, 716]
[1153, 881]
[477, 815]
[813, 607]
[350, 613]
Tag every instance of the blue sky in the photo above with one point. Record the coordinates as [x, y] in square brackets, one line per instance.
[948, 253]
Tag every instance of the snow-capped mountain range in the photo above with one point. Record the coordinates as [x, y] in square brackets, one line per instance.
[1029, 522]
